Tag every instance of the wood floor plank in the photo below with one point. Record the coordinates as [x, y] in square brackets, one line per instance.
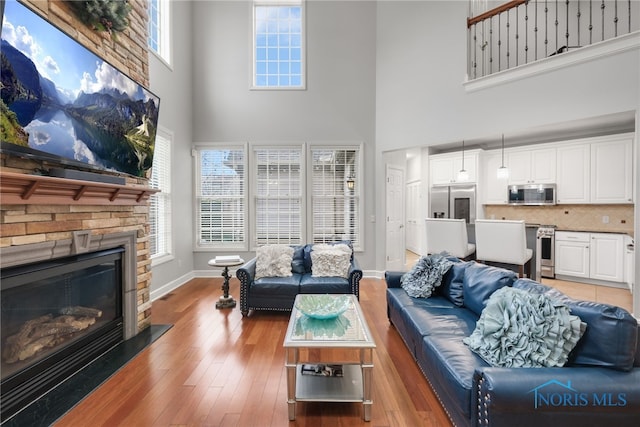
[216, 368]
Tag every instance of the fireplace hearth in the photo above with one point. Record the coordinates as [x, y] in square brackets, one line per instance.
[60, 313]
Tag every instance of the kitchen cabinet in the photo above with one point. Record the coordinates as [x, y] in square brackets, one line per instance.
[597, 256]
[494, 188]
[629, 262]
[573, 164]
[537, 166]
[596, 170]
[572, 254]
[606, 261]
[444, 168]
[612, 171]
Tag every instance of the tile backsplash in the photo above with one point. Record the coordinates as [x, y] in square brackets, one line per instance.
[570, 217]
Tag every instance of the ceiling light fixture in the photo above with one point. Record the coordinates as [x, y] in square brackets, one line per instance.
[463, 175]
[503, 171]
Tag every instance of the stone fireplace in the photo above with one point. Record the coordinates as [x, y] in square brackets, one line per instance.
[63, 305]
[46, 218]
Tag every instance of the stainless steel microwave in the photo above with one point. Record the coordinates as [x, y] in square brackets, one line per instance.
[532, 194]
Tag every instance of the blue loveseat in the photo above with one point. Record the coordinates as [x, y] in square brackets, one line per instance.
[279, 293]
[598, 386]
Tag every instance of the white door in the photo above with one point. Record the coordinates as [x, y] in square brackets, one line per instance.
[395, 219]
[413, 225]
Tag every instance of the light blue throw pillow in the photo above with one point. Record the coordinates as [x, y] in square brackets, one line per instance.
[522, 329]
[425, 275]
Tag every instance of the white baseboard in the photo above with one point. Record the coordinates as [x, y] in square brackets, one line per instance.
[171, 286]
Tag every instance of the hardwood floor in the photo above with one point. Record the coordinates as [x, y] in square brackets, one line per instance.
[214, 368]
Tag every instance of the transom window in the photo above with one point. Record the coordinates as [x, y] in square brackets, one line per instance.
[278, 44]
[159, 29]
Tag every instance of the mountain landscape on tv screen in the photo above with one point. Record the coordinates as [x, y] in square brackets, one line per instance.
[110, 128]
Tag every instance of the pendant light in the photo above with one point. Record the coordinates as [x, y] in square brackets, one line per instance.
[503, 171]
[463, 175]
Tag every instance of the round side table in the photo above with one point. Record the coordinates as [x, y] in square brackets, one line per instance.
[225, 301]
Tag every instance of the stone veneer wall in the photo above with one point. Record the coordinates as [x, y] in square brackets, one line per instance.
[27, 224]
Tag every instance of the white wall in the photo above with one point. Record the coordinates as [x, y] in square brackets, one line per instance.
[338, 105]
[173, 86]
[421, 100]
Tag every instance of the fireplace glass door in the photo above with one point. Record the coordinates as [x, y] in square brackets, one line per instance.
[56, 317]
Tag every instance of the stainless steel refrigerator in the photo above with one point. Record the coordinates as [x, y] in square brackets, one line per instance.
[453, 201]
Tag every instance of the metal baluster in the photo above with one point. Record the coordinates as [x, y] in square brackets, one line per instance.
[615, 18]
[517, 36]
[590, 21]
[526, 33]
[546, 28]
[578, 15]
[629, 14]
[508, 51]
[499, 42]
[556, 25]
[566, 34]
[602, 6]
[475, 51]
[535, 33]
[491, 45]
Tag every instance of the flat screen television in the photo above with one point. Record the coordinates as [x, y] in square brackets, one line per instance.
[62, 103]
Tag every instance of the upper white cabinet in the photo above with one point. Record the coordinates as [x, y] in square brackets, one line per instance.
[596, 170]
[444, 168]
[494, 190]
[537, 166]
[573, 174]
[612, 171]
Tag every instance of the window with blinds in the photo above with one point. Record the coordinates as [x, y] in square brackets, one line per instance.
[279, 179]
[335, 195]
[160, 202]
[221, 197]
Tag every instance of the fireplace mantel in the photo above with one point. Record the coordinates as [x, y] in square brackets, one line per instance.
[26, 189]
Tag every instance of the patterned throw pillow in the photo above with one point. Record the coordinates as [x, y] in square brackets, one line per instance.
[273, 261]
[330, 260]
[425, 276]
[522, 329]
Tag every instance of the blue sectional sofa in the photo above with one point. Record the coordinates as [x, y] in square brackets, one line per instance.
[598, 386]
[279, 293]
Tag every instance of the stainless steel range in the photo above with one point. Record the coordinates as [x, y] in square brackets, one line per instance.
[545, 252]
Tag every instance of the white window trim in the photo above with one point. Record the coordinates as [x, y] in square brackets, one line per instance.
[303, 44]
[253, 185]
[166, 40]
[238, 246]
[358, 186]
[158, 259]
[306, 190]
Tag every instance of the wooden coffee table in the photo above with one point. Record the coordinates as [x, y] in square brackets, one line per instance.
[345, 341]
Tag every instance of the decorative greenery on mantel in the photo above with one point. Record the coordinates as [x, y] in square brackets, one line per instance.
[102, 15]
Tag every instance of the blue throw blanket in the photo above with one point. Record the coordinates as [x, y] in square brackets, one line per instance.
[425, 276]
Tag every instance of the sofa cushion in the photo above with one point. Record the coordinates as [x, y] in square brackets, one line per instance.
[273, 261]
[324, 285]
[270, 286]
[330, 260]
[610, 339]
[451, 320]
[480, 281]
[297, 263]
[425, 275]
[522, 329]
[452, 283]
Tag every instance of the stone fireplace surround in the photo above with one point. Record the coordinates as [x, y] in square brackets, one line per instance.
[84, 242]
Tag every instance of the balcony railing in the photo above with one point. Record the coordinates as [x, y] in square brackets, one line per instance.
[519, 32]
